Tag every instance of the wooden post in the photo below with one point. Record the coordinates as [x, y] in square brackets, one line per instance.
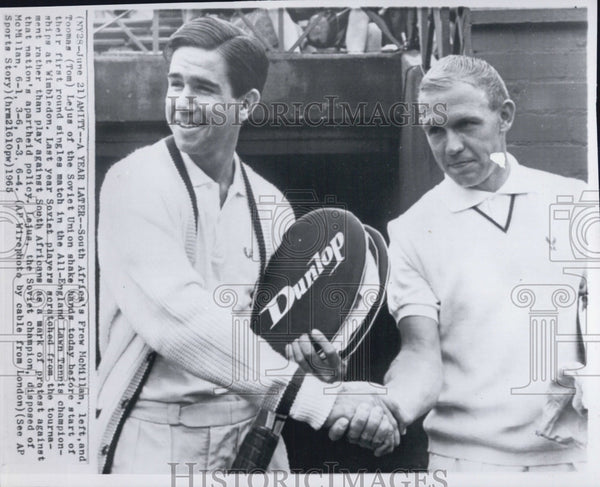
[155, 31]
[280, 29]
[467, 46]
[441, 18]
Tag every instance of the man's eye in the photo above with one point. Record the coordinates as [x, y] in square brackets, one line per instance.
[468, 123]
[175, 84]
[201, 89]
[434, 130]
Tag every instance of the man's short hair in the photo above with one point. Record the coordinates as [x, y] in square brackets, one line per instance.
[474, 71]
[247, 63]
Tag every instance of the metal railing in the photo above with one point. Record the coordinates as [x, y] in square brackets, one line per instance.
[124, 30]
[441, 31]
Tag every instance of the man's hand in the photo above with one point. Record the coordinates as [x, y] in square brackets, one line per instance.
[370, 418]
[327, 365]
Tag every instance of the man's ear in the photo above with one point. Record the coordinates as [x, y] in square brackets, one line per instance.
[249, 102]
[507, 115]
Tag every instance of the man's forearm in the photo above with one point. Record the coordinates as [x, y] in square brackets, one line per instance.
[415, 383]
[415, 376]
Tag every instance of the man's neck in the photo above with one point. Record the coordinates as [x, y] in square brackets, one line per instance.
[498, 176]
[219, 167]
[496, 180]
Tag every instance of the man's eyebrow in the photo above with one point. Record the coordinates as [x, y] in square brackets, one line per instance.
[429, 121]
[196, 80]
[467, 118]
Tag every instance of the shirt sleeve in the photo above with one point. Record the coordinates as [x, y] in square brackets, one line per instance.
[144, 262]
[409, 293]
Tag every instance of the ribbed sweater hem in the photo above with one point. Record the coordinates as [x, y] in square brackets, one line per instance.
[486, 454]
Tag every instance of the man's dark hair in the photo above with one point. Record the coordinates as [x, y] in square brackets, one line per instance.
[247, 63]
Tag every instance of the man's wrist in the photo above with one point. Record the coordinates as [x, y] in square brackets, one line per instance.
[402, 410]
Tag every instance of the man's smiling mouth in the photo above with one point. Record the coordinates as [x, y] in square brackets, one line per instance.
[188, 126]
[461, 163]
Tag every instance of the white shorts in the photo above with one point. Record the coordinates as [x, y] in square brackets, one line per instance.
[206, 434]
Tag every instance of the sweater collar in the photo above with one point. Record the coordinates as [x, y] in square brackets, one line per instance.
[458, 198]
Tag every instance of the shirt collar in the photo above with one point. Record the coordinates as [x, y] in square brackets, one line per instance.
[199, 178]
[238, 187]
[458, 198]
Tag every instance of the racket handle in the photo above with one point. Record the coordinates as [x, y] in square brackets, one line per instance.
[259, 444]
[256, 451]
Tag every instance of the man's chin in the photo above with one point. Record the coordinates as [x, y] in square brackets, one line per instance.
[466, 182]
[467, 176]
[187, 139]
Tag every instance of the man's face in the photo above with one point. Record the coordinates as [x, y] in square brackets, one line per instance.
[200, 106]
[462, 146]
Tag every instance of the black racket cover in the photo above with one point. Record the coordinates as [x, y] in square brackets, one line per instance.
[313, 278]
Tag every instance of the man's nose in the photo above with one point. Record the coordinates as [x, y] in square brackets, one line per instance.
[182, 106]
[184, 100]
[454, 143]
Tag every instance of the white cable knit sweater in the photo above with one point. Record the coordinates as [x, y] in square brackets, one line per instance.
[152, 298]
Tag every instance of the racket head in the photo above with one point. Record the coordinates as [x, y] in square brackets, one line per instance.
[313, 277]
[371, 295]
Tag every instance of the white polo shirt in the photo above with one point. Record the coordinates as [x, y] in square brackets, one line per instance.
[453, 264]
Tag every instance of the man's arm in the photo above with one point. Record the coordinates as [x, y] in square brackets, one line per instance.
[145, 266]
[415, 376]
[413, 383]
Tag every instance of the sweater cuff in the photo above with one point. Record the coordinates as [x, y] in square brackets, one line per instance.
[314, 402]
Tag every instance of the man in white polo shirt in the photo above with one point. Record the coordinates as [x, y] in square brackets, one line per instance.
[458, 256]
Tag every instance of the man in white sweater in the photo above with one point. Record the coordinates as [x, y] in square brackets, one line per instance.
[462, 259]
[180, 379]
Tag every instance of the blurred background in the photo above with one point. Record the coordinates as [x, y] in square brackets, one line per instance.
[373, 57]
